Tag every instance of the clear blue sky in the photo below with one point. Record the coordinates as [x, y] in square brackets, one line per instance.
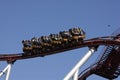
[24, 19]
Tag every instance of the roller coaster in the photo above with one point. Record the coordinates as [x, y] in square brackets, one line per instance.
[108, 66]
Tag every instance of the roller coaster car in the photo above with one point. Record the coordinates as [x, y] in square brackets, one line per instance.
[27, 47]
[40, 42]
[66, 36]
[34, 42]
[77, 34]
[36, 45]
[56, 39]
[46, 41]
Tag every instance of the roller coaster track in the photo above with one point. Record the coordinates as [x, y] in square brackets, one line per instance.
[108, 66]
[86, 43]
[107, 41]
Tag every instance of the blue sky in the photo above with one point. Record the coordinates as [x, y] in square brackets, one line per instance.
[24, 19]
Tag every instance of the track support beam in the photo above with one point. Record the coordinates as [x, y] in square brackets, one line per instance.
[6, 71]
[75, 71]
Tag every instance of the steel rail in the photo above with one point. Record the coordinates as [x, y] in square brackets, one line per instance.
[85, 43]
[87, 73]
